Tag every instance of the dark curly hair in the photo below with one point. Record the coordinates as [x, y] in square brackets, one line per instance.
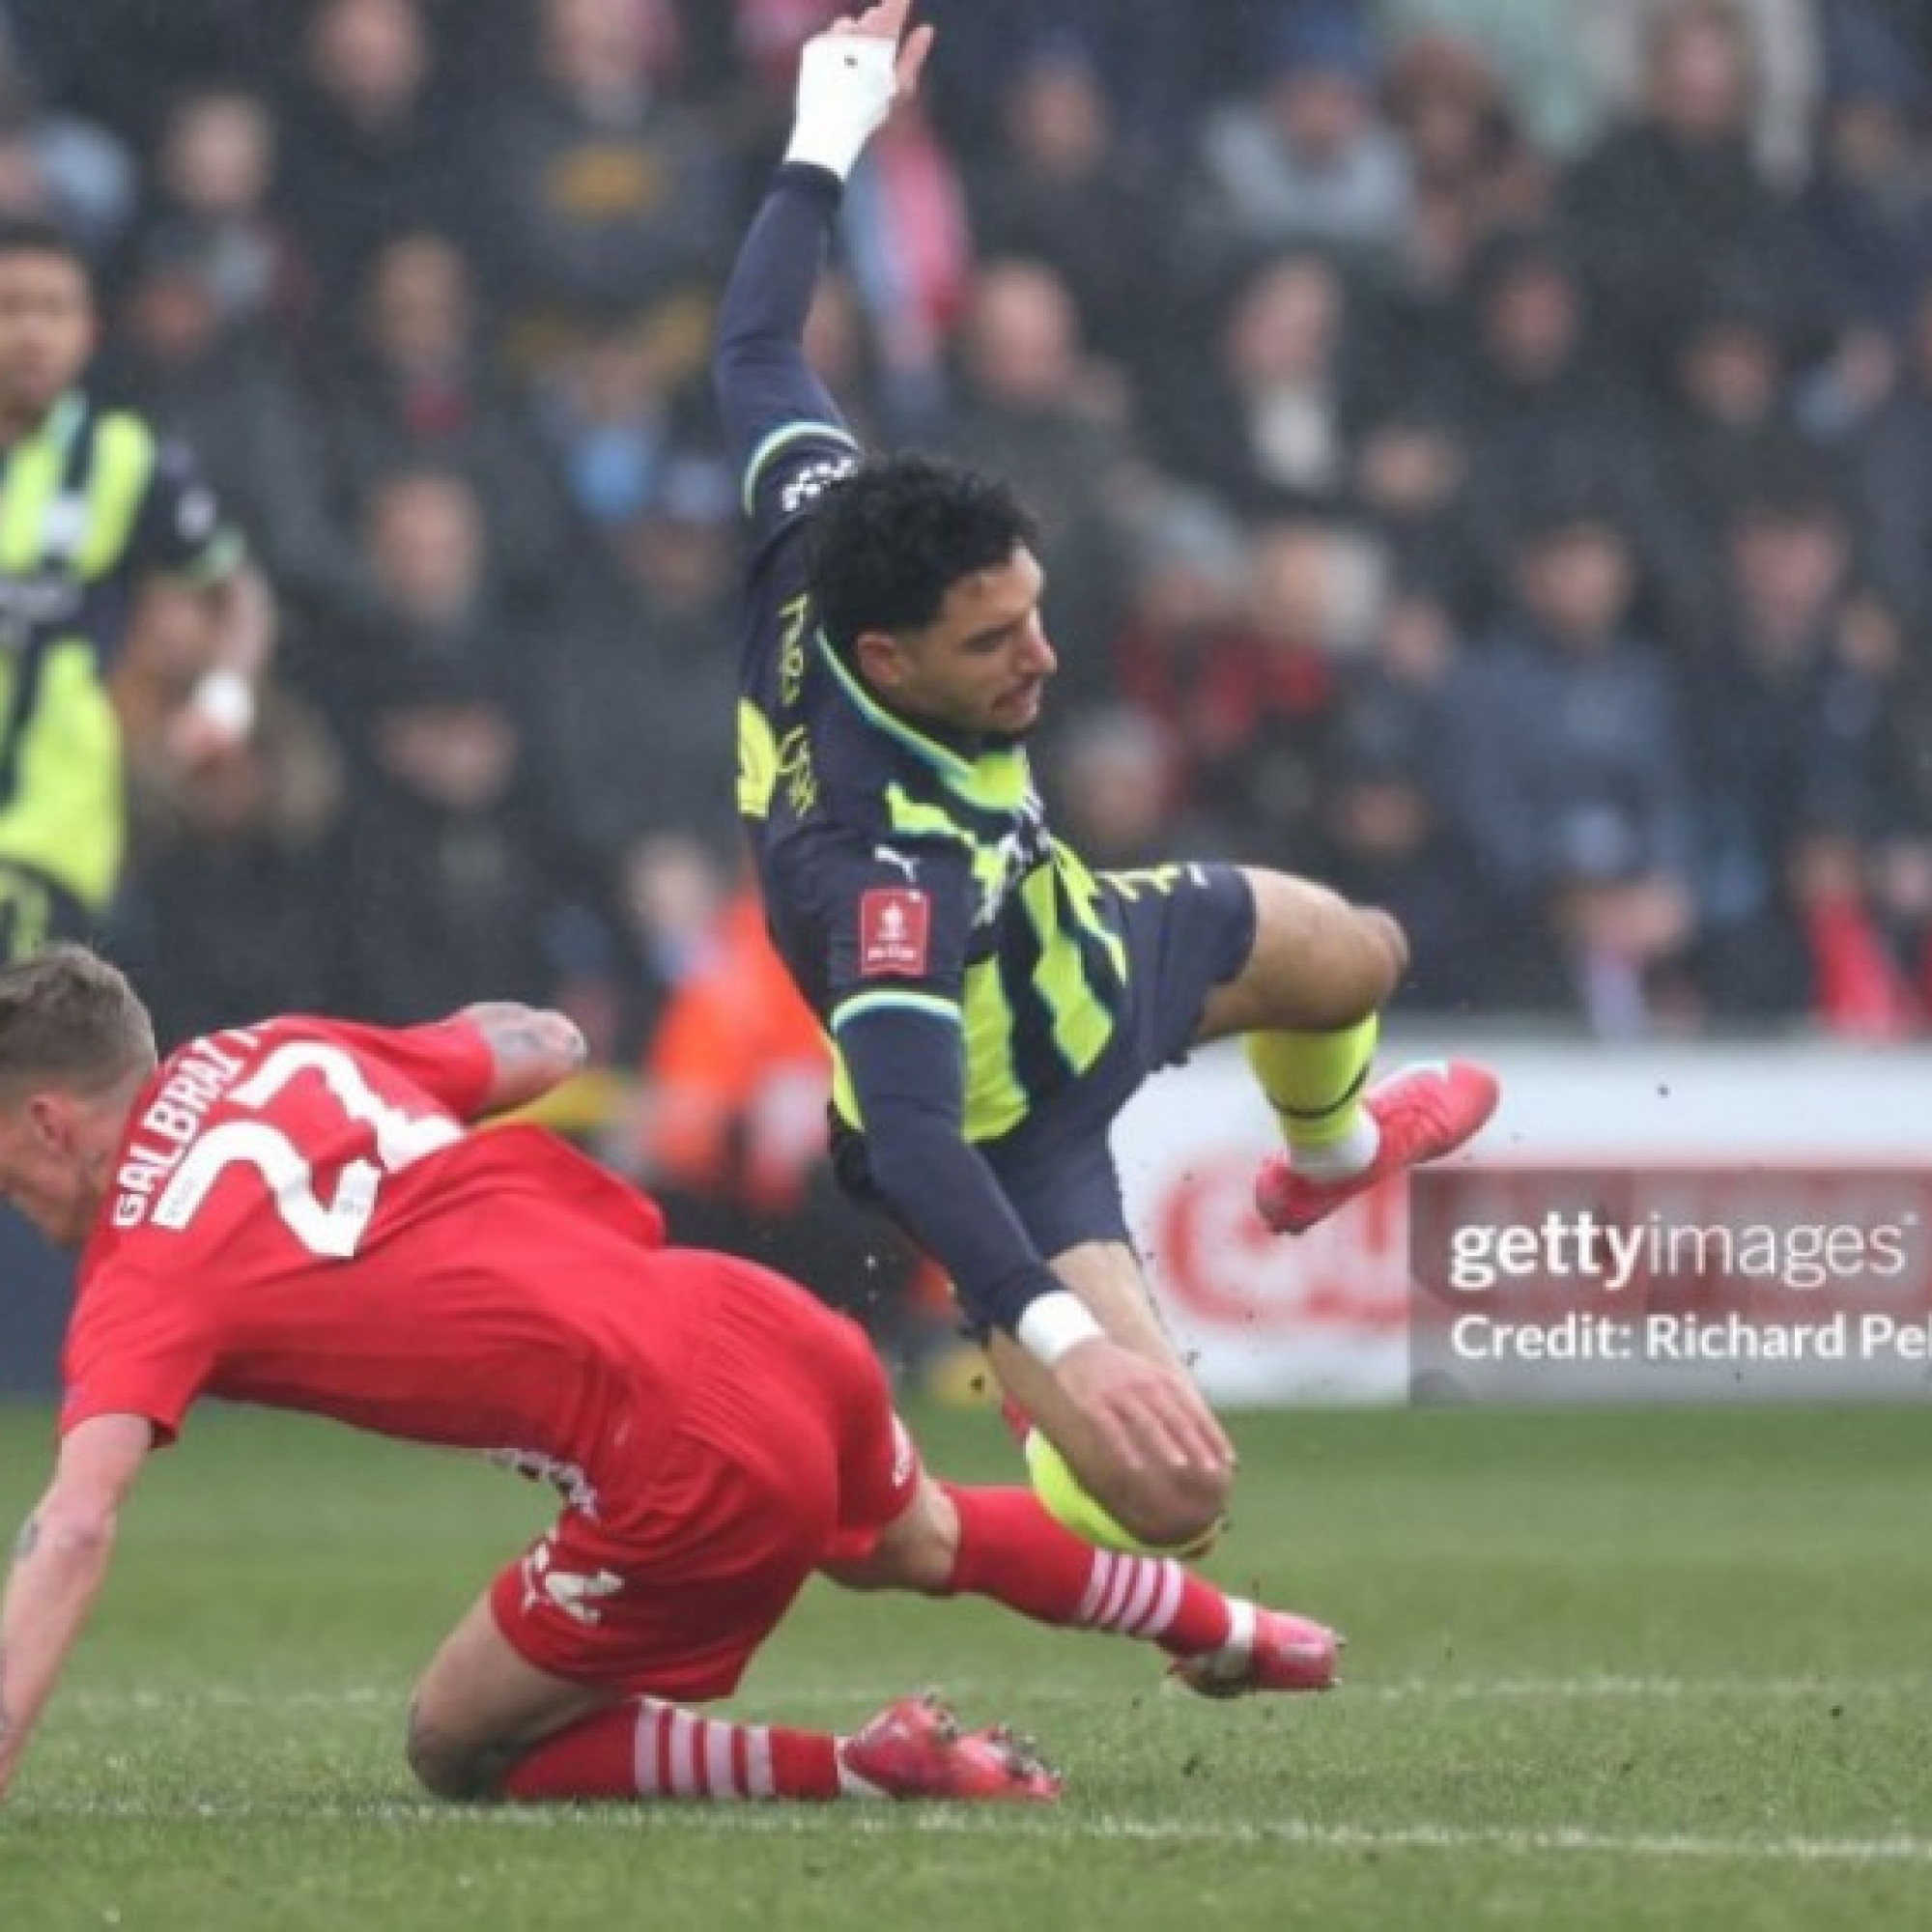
[890, 541]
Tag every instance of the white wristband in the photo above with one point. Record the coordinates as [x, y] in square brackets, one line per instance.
[227, 700]
[846, 84]
[1051, 1324]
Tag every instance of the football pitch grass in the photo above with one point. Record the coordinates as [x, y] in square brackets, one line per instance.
[1657, 1669]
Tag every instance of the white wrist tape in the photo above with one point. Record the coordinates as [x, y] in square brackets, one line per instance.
[227, 700]
[1053, 1323]
[845, 88]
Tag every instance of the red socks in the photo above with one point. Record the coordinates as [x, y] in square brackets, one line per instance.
[642, 1749]
[1012, 1551]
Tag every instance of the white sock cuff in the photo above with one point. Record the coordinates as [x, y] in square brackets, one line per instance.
[1341, 1158]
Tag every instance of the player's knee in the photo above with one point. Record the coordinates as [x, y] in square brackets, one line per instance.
[1329, 963]
[1388, 945]
[1367, 967]
[920, 1552]
[448, 1766]
[1174, 1508]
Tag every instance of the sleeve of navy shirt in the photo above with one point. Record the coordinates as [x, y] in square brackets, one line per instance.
[902, 1041]
[773, 404]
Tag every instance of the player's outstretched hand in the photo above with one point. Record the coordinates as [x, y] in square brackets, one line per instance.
[849, 79]
[1149, 1417]
[887, 22]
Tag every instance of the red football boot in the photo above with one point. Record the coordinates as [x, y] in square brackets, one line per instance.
[916, 1748]
[1286, 1653]
[1421, 1112]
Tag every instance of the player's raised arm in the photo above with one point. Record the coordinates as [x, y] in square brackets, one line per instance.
[849, 80]
[60, 1562]
[531, 1050]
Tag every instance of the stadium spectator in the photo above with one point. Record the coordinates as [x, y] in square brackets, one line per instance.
[416, 386]
[1567, 775]
[58, 167]
[1156, 60]
[1789, 717]
[1262, 702]
[630, 714]
[616, 415]
[1112, 789]
[737, 1076]
[1869, 202]
[1893, 462]
[1673, 196]
[1262, 421]
[446, 857]
[431, 596]
[215, 177]
[1532, 45]
[598, 195]
[1540, 411]
[1066, 185]
[1734, 417]
[98, 513]
[1389, 838]
[122, 61]
[1187, 605]
[1782, 47]
[716, 1436]
[235, 890]
[751, 49]
[992, 1005]
[1575, 65]
[1411, 481]
[1476, 176]
[1307, 161]
[370, 146]
[245, 411]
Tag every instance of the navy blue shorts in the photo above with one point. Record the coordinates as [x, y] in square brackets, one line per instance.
[1188, 930]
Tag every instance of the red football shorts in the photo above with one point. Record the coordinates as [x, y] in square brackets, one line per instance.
[787, 1455]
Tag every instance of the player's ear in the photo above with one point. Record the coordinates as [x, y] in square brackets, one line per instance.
[880, 660]
[51, 1120]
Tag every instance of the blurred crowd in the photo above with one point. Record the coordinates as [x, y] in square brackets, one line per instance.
[1484, 450]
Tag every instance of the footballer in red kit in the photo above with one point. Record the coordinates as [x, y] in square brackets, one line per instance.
[300, 1213]
[508, 1297]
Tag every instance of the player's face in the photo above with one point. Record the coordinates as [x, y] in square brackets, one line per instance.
[982, 666]
[46, 330]
[44, 1171]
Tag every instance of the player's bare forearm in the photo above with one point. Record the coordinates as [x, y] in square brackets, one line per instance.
[531, 1051]
[241, 623]
[60, 1562]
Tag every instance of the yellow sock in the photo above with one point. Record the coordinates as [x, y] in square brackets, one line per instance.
[1315, 1082]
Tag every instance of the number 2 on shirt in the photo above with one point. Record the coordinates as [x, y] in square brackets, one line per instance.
[333, 1229]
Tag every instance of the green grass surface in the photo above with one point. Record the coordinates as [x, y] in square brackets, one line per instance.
[1607, 1669]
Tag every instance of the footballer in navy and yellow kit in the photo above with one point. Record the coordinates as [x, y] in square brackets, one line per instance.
[991, 1002]
[96, 510]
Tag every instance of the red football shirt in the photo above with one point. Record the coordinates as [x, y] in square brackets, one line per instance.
[298, 1217]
